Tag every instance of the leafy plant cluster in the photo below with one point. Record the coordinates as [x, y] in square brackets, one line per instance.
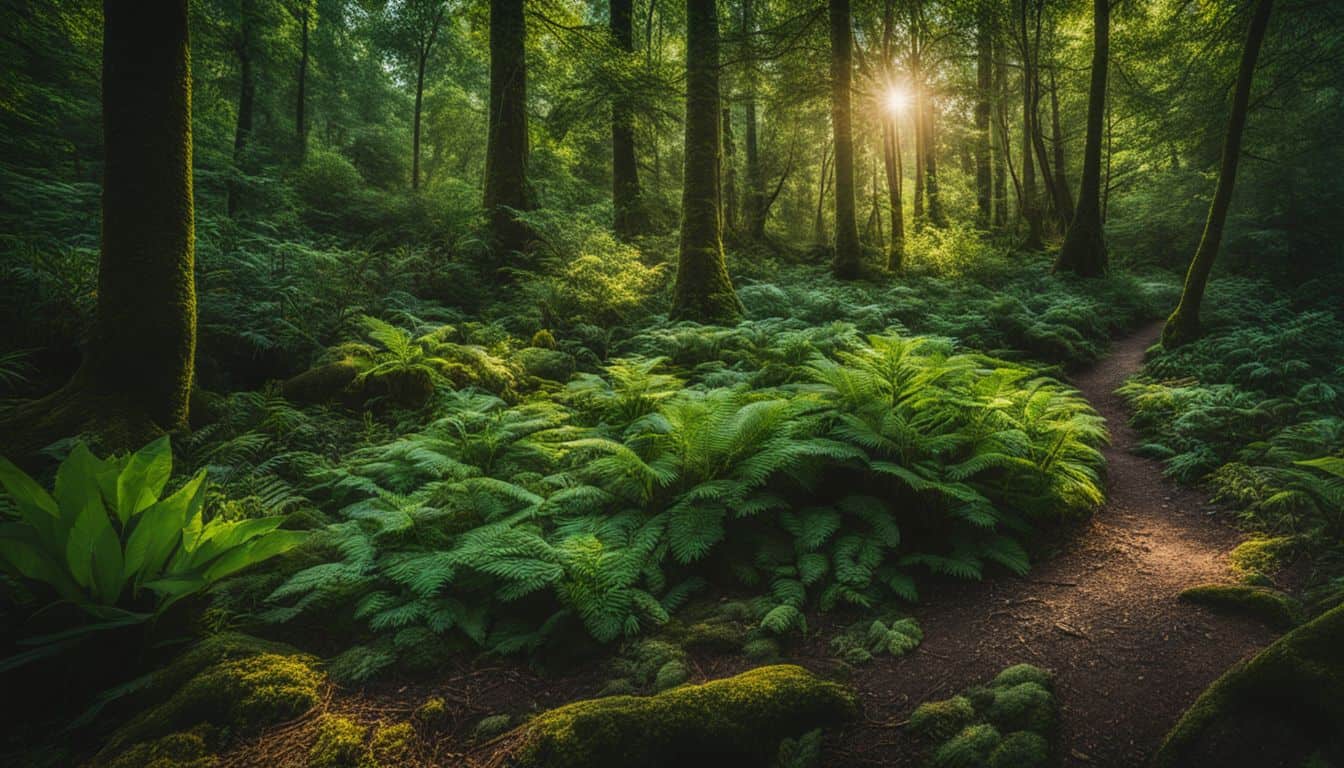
[1256, 410]
[605, 505]
[1009, 723]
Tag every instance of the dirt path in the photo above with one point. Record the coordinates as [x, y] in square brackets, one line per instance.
[1103, 614]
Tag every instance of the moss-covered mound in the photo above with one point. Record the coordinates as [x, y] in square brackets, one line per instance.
[1006, 724]
[1268, 605]
[1276, 709]
[743, 718]
[230, 685]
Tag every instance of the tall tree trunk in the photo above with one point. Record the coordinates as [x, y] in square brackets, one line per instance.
[1084, 249]
[1000, 147]
[729, 173]
[1057, 146]
[625, 194]
[415, 130]
[754, 205]
[1029, 205]
[918, 200]
[984, 80]
[247, 88]
[1047, 176]
[891, 158]
[146, 317]
[300, 105]
[703, 291]
[823, 185]
[506, 185]
[1183, 325]
[935, 206]
[848, 255]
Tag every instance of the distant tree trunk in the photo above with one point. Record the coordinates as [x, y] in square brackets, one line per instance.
[875, 212]
[823, 184]
[1000, 147]
[729, 173]
[1030, 210]
[1057, 145]
[703, 291]
[300, 118]
[1183, 325]
[984, 65]
[891, 157]
[1047, 176]
[625, 194]
[1084, 249]
[506, 185]
[415, 130]
[754, 206]
[918, 200]
[848, 255]
[935, 206]
[247, 88]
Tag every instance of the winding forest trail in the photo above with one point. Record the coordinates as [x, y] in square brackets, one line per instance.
[1103, 614]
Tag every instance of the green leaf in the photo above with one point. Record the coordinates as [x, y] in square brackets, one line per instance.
[25, 491]
[158, 531]
[255, 551]
[143, 478]
[93, 552]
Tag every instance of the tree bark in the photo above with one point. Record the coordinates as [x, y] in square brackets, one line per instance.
[506, 186]
[984, 64]
[247, 87]
[421, 63]
[848, 255]
[891, 158]
[754, 205]
[935, 206]
[1000, 147]
[728, 173]
[1183, 325]
[1057, 146]
[1084, 249]
[703, 291]
[625, 195]
[1029, 205]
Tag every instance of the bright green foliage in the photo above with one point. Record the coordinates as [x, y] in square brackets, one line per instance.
[189, 749]
[108, 539]
[1268, 605]
[1023, 707]
[1008, 723]
[1023, 673]
[339, 744]
[745, 716]
[864, 640]
[942, 719]
[1284, 702]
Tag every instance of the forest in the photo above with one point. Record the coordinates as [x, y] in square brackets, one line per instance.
[588, 383]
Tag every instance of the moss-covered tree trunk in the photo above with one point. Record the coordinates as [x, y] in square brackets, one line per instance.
[984, 82]
[506, 186]
[848, 255]
[729, 174]
[628, 219]
[703, 291]
[1183, 325]
[144, 344]
[1084, 249]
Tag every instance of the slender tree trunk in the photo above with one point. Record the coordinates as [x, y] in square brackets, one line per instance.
[823, 185]
[625, 194]
[1047, 176]
[1000, 148]
[729, 173]
[1057, 145]
[506, 185]
[146, 313]
[300, 118]
[984, 81]
[755, 207]
[1030, 209]
[891, 157]
[848, 255]
[935, 206]
[1084, 249]
[247, 87]
[703, 291]
[1183, 325]
[918, 200]
[415, 130]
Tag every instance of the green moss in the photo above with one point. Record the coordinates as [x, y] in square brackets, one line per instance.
[1023, 749]
[1268, 605]
[432, 713]
[1259, 557]
[490, 727]
[747, 715]
[549, 364]
[322, 383]
[670, 675]
[942, 719]
[543, 339]
[968, 749]
[235, 682]
[339, 744]
[1023, 707]
[1284, 702]
[393, 745]
[176, 750]
[712, 636]
[761, 649]
[1024, 673]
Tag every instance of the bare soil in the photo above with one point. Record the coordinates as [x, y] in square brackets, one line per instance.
[1102, 614]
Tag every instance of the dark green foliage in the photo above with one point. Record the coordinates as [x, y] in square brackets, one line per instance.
[1270, 606]
[938, 720]
[1010, 722]
[1022, 749]
[968, 749]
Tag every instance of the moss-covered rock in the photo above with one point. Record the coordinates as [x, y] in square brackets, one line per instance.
[1272, 607]
[491, 726]
[190, 749]
[339, 744]
[1023, 707]
[321, 384]
[1257, 558]
[1022, 749]
[970, 748]
[392, 744]
[942, 719]
[549, 364]
[233, 682]
[744, 716]
[670, 675]
[1282, 705]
